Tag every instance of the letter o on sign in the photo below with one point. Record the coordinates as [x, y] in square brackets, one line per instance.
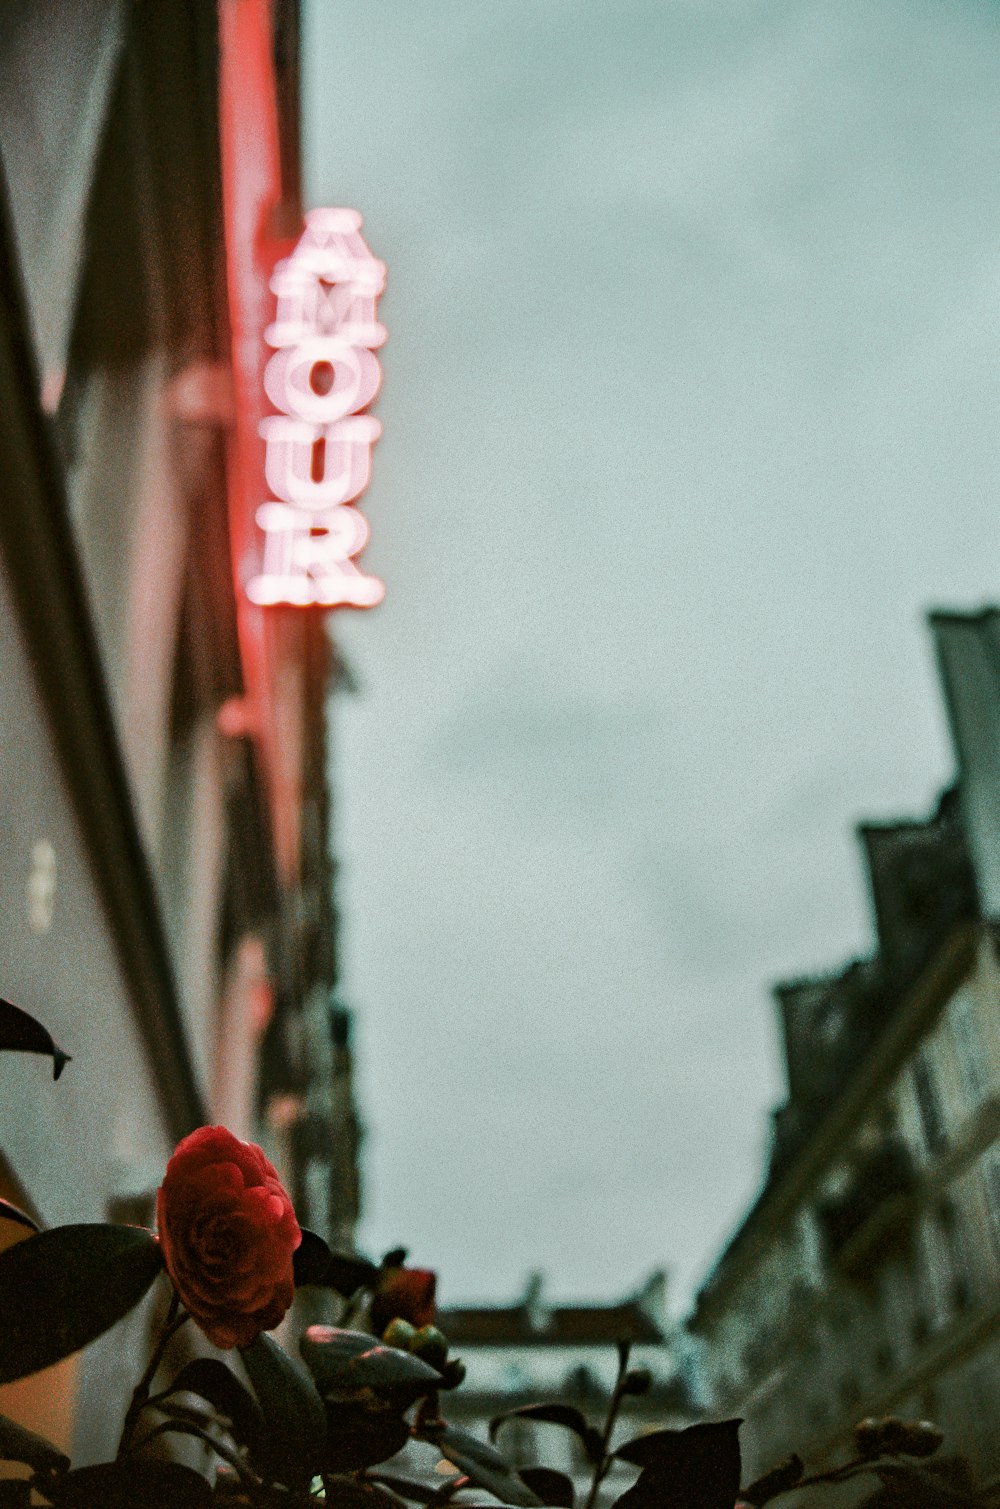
[291, 379]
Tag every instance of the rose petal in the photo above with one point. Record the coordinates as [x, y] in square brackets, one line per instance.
[228, 1231]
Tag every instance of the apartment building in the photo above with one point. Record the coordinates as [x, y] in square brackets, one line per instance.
[863, 1279]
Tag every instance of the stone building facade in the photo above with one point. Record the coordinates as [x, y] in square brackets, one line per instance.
[863, 1279]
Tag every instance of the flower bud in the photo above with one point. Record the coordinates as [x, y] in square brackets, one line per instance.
[637, 1381]
[407, 1292]
[399, 1333]
[923, 1438]
[866, 1437]
[893, 1434]
[430, 1345]
[453, 1373]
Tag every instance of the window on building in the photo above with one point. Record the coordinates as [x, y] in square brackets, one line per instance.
[991, 1176]
[970, 1049]
[921, 1328]
[928, 1104]
[952, 1228]
[175, 843]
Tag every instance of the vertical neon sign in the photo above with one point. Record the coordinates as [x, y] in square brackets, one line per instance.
[318, 446]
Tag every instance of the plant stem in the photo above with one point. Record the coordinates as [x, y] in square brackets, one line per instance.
[351, 1307]
[831, 1475]
[188, 1428]
[140, 1395]
[601, 1467]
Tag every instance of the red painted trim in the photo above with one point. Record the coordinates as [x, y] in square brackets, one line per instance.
[251, 183]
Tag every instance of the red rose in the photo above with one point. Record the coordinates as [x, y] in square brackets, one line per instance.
[406, 1293]
[228, 1231]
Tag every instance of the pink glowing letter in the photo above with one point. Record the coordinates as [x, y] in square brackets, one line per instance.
[318, 446]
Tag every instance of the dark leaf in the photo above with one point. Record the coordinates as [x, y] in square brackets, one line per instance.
[314, 1263]
[20, 1445]
[394, 1258]
[134, 1483]
[423, 1491]
[453, 1373]
[15, 1493]
[484, 1465]
[356, 1493]
[550, 1486]
[352, 1366]
[14, 1213]
[555, 1414]
[65, 1287]
[697, 1468]
[296, 1421]
[186, 1422]
[449, 1488]
[409, 1488]
[361, 1436]
[212, 1380]
[21, 1033]
[201, 1415]
[623, 1346]
[779, 1479]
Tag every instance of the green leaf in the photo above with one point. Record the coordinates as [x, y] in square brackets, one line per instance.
[133, 1483]
[185, 1422]
[17, 1444]
[21, 1033]
[212, 1380]
[293, 1449]
[556, 1414]
[349, 1365]
[697, 1468]
[552, 1487]
[314, 1263]
[11, 1212]
[65, 1287]
[480, 1462]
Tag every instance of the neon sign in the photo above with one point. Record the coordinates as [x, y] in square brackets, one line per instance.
[318, 447]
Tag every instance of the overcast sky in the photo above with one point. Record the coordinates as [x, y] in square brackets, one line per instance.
[692, 409]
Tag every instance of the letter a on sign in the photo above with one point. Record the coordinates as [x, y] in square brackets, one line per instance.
[318, 445]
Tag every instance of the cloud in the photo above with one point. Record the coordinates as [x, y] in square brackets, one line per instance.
[690, 408]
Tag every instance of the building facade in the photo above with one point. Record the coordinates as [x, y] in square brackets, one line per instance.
[863, 1279]
[165, 874]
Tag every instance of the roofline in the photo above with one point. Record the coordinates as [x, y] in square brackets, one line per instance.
[969, 617]
[925, 996]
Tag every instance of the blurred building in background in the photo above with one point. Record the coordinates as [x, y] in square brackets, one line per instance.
[863, 1279]
[165, 874]
[533, 1351]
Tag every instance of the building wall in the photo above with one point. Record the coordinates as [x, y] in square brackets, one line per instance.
[803, 1335]
[147, 916]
